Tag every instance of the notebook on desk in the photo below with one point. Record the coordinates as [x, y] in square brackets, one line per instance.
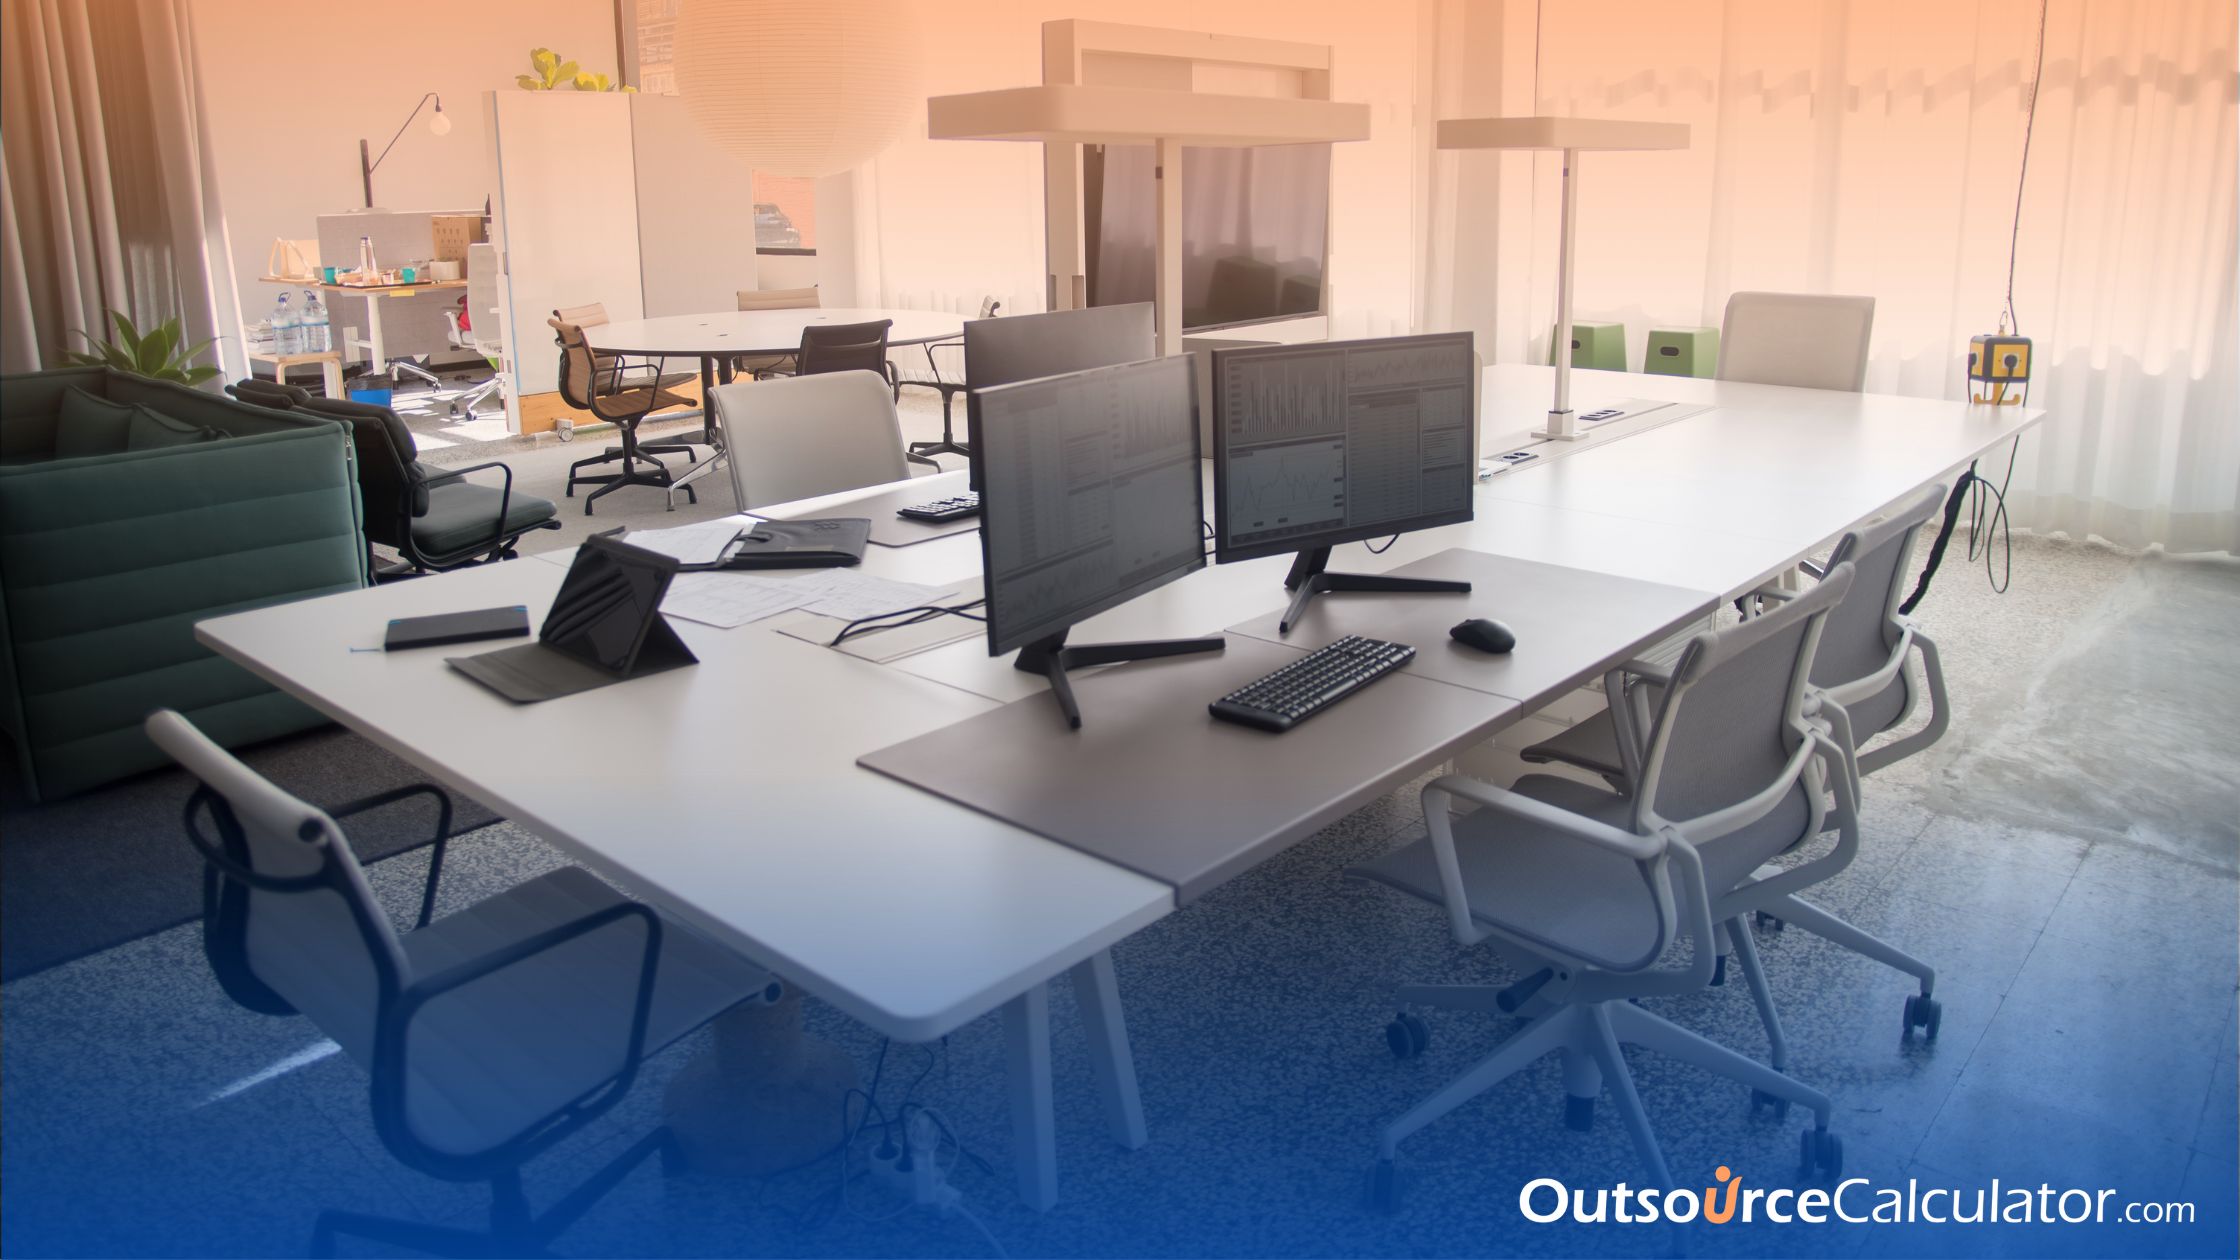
[817, 544]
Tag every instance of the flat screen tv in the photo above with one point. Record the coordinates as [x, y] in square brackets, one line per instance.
[1255, 231]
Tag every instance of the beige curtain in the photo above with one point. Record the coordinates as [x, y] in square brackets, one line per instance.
[108, 194]
[1876, 148]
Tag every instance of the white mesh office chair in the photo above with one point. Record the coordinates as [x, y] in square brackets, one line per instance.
[1584, 892]
[1816, 341]
[796, 437]
[1860, 683]
[490, 1034]
[481, 333]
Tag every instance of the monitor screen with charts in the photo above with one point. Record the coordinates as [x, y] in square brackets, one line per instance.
[1029, 347]
[1091, 495]
[1322, 444]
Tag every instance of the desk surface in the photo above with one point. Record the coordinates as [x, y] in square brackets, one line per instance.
[760, 332]
[915, 915]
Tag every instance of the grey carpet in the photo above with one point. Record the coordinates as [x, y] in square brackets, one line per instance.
[82, 875]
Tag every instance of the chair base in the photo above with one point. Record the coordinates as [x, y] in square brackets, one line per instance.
[1587, 1035]
[513, 1231]
[654, 473]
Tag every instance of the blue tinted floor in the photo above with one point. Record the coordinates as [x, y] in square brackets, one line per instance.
[2066, 858]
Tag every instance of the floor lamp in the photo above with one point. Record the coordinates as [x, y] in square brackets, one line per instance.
[1571, 137]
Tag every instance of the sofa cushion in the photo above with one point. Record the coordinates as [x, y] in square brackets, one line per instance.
[90, 426]
[148, 431]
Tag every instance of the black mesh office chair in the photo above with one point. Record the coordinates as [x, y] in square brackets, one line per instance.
[588, 385]
[851, 348]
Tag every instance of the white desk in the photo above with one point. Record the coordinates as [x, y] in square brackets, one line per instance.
[916, 916]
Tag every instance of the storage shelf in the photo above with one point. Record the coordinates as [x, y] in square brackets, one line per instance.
[1088, 114]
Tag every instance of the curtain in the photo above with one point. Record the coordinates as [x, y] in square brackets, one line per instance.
[108, 191]
[1876, 147]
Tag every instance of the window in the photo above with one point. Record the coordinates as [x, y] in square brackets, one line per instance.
[785, 208]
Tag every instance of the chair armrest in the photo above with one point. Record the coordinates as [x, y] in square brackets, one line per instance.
[1649, 670]
[1813, 568]
[443, 833]
[505, 497]
[1440, 824]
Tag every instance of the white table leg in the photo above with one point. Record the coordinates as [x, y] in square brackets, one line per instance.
[330, 375]
[376, 359]
[1098, 991]
[1034, 1133]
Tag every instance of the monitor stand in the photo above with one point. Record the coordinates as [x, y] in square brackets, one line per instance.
[1307, 580]
[1052, 658]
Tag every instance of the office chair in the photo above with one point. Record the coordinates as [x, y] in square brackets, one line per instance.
[490, 1034]
[796, 437]
[762, 365]
[433, 517]
[851, 348]
[1817, 341]
[948, 389]
[1860, 683]
[588, 387]
[480, 333]
[1584, 891]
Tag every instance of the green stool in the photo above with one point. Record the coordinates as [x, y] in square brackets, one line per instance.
[1598, 346]
[1682, 352]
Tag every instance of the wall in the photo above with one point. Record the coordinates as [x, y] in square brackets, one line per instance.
[941, 224]
[292, 88]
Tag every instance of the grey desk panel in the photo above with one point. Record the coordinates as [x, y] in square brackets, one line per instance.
[1153, 783]
[889, 530]
[1571, 624]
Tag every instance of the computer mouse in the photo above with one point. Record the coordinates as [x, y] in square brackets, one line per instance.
[1484, 634]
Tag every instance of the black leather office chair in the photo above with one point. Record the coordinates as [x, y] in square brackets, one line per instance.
[589, 385]
[947, 388]
[851, 348]
[435, 518]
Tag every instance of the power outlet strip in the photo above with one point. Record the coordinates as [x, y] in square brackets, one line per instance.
[911, 1172]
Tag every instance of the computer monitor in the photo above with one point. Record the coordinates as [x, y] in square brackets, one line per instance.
[1091, 499]
[1316, 445]
[1027, 347]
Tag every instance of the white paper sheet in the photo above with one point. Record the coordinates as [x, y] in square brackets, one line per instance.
[693, 544]
[848, 595]
[729, 600]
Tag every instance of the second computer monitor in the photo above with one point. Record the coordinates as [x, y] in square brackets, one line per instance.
[1316, 445]
[1092, 495]
[1029, 347]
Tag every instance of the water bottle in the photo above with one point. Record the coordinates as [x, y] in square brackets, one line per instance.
[366, 265]
[316, 337]
[287, 337]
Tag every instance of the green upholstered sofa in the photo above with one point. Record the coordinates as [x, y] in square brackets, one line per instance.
[107, 559]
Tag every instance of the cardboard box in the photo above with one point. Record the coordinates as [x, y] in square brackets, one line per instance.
[453, 233]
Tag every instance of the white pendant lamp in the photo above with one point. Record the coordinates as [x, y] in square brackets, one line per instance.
[803, 89]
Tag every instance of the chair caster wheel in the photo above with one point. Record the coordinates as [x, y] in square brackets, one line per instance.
[1407, 1035]
[1821, 1155]
[1925, 1013]
[1760, 1099]
[1578, 1113]
[1769, 923]
[1384, 1187]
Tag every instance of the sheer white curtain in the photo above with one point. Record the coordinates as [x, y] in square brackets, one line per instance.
[1854, 147]
[108, 195]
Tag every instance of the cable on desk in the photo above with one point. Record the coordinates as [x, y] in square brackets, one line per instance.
[1375, 550]
[924, 612]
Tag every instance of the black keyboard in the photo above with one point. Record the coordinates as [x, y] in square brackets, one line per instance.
[954, 508]
[1314, 682]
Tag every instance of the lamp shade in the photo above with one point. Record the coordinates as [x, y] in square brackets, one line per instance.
[801, 89]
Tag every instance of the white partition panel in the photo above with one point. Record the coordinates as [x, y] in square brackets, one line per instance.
[695, 213]
[566, 222]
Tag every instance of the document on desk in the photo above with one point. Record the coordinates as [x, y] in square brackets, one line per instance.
[892, 640]
[848, 595]
[689, 545]
[729, 600]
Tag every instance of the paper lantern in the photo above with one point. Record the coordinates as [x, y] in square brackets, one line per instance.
[800, 87]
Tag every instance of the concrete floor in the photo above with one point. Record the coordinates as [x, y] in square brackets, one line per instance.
[2067, 857]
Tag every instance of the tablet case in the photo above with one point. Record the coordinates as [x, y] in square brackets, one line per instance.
[817, 544]
[605, 626]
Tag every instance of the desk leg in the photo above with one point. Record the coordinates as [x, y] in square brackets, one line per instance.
[1098, 991]
[330, 375]
[1034, 1134]
[376, 359]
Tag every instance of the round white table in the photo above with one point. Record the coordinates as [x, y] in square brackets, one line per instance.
[719, 337]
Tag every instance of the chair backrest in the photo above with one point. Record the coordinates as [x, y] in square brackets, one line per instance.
[1817, 341]
[589, 315]
[778, 299]
[801, 436]
[1865, 632]
[482, 299]
[989, 307]
[843, 348]
[392, 487]
[1727, 761]
[580, 374]
[292, 913]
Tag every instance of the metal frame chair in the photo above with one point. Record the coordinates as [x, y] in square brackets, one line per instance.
[1584, 896]
[590, 386]
[948, 389]
[292, 927]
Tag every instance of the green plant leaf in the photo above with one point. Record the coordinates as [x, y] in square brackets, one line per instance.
[154, 352]
[128, 337]
[566, 72]
[114, 356]
[71, 358]
[543, 59]
[529, 82]
[197, 375]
